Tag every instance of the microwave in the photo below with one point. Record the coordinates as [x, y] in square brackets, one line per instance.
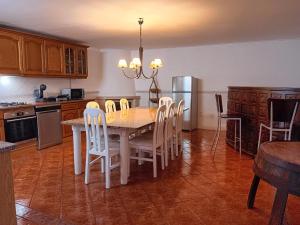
[73, 93]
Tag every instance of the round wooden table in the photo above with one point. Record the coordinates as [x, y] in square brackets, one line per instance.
[277, 163]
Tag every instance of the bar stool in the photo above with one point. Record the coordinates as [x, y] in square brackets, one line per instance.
[235, 117]
[281, 116]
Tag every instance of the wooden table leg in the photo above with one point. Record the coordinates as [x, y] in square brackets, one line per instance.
[77, 149]
[252, 192]
[278, 207]
[124, 153]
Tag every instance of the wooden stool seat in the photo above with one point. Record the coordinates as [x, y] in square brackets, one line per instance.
[278, 163]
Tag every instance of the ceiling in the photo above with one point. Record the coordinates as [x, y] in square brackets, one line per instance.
[168, 23]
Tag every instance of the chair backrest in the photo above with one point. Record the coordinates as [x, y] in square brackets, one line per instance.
[124, 104]
[171, 111]
[179, 117]
[158, 134]
[282, 110]
[96, 134]
[167, 101]
[219, 104]
[92, 105]
[110, 106]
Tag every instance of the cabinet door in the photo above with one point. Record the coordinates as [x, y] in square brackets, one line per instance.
[82, 61]
[70, 59]
[33, 56]
[54, 59]
[68, 115]
[10, 53]
[2, 133]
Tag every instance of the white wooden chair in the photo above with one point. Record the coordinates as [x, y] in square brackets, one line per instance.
[178, 126]
[124, 104]
[110, 106]
[97, 143]
[169, 132]
[92, 105]
[151, 142]
[167, 101]
[282, 114]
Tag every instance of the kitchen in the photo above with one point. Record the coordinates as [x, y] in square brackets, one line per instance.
[60, 59]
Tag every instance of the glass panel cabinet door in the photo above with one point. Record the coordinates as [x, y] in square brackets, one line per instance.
[82, 62]
[70, 60]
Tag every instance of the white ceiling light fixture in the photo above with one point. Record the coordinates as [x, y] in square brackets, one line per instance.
[136, 65]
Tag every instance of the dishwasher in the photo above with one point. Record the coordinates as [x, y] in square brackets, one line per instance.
[49, 125]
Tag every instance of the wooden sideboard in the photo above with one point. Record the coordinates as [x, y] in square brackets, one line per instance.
[28, 54]
[251, 102]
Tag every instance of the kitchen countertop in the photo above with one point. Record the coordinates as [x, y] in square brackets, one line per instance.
[5, 146]
[44, 104]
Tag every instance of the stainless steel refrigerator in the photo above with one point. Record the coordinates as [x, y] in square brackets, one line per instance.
[186, 88]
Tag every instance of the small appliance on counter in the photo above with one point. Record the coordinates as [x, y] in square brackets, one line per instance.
[39, 93]
[73, 93]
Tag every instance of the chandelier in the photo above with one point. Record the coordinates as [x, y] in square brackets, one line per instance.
[136, 65]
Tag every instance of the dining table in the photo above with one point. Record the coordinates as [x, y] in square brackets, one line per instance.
[122, 123]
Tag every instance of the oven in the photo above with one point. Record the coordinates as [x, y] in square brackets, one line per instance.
[20, 125]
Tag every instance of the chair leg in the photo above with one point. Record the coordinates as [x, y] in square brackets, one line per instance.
[140, 156]
[259, 137]
[271, 134]
[154, 165]
[167, 153]
[172, 148]
[289, 134]
[87, 168]
[217, 138]
[102, 165]
[240, 137]
[107, 172]
[162, 157]
[176, 144]
[234, 134]
[285, 135]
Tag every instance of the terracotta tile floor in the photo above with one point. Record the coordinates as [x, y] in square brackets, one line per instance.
[193, 190]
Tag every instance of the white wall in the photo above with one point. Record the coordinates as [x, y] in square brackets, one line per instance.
[113, 83]
[104, 79]
[264, 63]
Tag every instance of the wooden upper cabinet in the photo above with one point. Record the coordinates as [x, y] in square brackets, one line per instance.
[10, 53]
[36, 55]
[54, 58]
[33, 55]
[82, 69]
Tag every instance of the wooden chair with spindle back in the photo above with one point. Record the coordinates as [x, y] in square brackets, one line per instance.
[151, 142]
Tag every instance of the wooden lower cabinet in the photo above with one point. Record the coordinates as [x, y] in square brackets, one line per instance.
[251, 102]
[2, 133]
[72, 110]
[68, 115]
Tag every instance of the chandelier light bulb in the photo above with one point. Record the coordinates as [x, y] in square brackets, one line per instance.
[137, 62]
[122, 63]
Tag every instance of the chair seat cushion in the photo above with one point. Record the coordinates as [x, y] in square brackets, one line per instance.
[114, 148]
[144, 141]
